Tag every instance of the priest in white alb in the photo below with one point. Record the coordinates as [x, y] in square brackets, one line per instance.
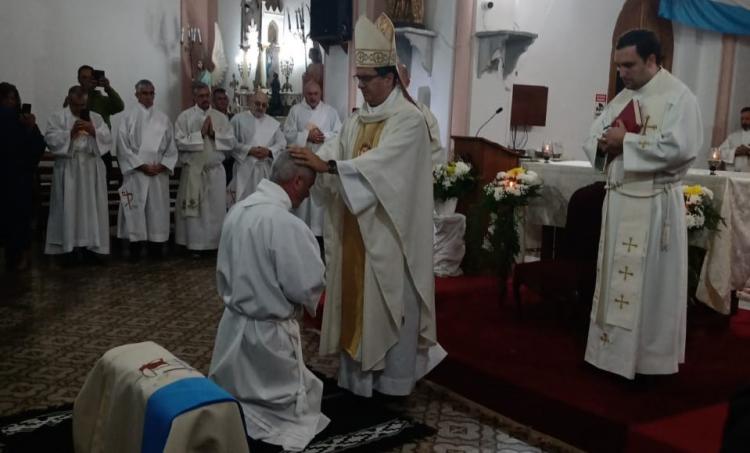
[203, 136]
[735, 150]
[640, 302]
[376, 185]
[258, 138]
[78, 214]
[269, 270]
[311, 123]
[147, 156]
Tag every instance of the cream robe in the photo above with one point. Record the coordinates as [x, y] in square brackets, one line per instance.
[248, 171]
[301, 119]
[735, 139]
[202, 232]
[655, 342]
[268, 269]
[78, 212]
[144, 136]
[389, 190]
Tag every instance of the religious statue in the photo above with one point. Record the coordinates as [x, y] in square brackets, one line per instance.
[315, 70]
[275, 106]
[406, 13]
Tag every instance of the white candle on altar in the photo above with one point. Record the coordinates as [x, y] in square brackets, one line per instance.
[715, 154]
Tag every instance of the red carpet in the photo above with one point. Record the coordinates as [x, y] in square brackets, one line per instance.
[532, 370]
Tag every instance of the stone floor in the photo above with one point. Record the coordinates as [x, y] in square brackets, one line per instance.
[55, 322]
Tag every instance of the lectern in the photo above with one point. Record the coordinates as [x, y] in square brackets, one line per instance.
[487, 158]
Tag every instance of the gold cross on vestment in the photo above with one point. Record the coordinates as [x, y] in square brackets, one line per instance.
[647, 126]
[622, 301]
[642, 142]
[625, 273]
[630, 244]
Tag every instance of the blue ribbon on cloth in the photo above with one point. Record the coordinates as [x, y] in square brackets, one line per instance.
[723, 16]
[175, 399]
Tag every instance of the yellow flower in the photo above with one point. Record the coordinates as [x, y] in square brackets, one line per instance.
[695, 190]
[515, 172]
[450, 168]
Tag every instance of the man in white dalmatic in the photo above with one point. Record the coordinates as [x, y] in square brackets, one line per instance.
[736, 148]
[147, 155]
[310, 123]
[268, 270]
[640, 302]
[78, 213]
[258, 138]
[379, 313]
[203, 136]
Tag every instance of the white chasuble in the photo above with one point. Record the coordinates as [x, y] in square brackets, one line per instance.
[301, 120]
[638, 313]
[268, 270]
[78, 212]
[144, 136]
[388, 191]
[248, 170]
[201, 197]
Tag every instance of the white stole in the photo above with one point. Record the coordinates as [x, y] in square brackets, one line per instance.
[625, 287]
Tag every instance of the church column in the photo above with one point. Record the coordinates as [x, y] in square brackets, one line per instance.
[462, 67]
[724, 92]
[201, 14]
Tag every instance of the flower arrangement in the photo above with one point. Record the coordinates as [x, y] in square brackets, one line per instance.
[451, 180]
[508, 191]
[701, 216]
[699, 209]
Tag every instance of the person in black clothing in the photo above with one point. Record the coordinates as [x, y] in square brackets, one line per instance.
[21, 147]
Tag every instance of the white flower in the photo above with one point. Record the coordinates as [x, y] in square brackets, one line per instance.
[493, 217]
[487, 245]
[462, 168]
[707, 192]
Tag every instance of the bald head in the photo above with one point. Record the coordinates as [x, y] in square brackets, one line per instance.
[260, 104]
[77, 99]
[311, 91]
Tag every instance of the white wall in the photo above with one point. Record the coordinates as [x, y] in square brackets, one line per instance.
[47, 41]
[697, 60]
[570, 56]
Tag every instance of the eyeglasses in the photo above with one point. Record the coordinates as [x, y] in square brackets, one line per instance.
[365, 79]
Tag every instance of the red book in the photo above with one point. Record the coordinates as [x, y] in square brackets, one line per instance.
[630, 117]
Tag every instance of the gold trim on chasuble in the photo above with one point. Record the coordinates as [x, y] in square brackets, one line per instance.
[353, 256]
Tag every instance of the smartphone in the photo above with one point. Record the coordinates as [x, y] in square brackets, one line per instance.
[98, 74]
[85, 115]
[25, 109]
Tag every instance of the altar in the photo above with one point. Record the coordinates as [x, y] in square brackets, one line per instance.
[727, 263]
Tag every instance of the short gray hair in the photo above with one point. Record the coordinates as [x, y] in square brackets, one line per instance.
[285, 168]
[142, 83]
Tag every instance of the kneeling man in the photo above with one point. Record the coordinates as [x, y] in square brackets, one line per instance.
[268, 269]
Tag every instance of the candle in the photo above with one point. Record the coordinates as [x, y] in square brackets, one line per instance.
[200, 39]
[182, 35]
[715, 154]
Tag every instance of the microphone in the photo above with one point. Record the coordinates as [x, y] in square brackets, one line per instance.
[499, 109]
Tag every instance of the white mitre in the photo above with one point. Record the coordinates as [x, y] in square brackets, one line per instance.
[375, 43]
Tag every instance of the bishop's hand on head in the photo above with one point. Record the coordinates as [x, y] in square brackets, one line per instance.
[305, 156]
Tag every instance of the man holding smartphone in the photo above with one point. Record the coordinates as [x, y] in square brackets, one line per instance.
[105, 105]
[21, 146]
